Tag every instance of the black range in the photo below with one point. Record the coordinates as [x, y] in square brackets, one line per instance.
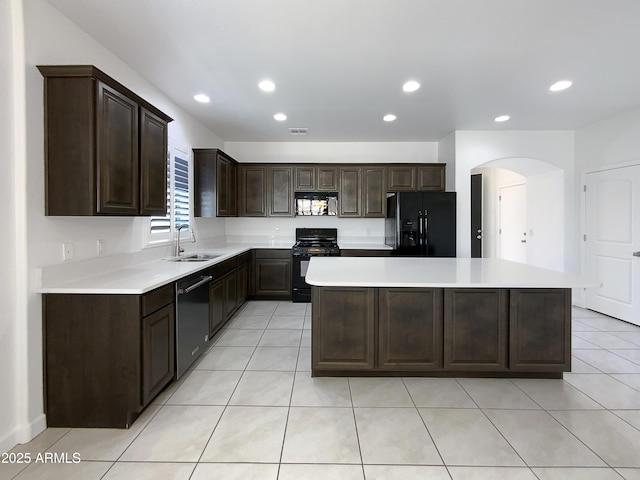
[310, 242]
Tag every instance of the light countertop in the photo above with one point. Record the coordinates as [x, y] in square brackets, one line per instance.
[435, 272]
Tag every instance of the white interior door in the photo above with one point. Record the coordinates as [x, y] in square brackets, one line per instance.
[513, 223]
[612, 224]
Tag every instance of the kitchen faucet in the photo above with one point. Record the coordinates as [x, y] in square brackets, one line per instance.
[179, 250]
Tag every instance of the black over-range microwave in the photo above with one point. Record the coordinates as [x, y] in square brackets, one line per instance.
[316, 203]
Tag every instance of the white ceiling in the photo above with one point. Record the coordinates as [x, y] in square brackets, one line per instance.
[339, 64]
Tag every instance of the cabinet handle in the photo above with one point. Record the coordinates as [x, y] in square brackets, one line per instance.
[636, 254]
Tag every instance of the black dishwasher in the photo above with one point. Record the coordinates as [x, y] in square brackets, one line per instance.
[192, 320]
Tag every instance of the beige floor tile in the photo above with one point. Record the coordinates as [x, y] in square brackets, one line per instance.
[250, 322]
[605, 340]
[580, 343]
[438, 392]
[631, 379]
[629, 473]
[467, 437]
[239, 338]
[263, 389]
[608, 324]
[540, 440]
[290, 308]
[226, 358]
[606, 361]
[405, 472]
[248, 434]
[491, 473]
[632, 355]
[379, 392]
[578, 366]
[610, 437]
[274, 358]
[178, 433]
[320, 472]
[394, 436]
[320, 392]
[304, 360]
[281, 338]
[64, 471]
[321, 435]
[286, 322]
[632, 417]
[42, 442]
[633, 337]
[150, 471]
[259, 308]
[10, 469]
[206, 387]
[306, 339]
[497, 393]
[235, 471]
[556, 394]
[576, 474]
[606, 390]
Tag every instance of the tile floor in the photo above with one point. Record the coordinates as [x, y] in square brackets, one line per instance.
[249, 409]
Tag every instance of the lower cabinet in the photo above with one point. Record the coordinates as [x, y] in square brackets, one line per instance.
[344, 339]
[106, 356]
[444, 332]
[271, 279]
[228, 291]
[217, 316]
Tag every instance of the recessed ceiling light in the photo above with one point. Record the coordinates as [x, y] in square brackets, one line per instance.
[281, 117]
[389, 117]
[502, 118]
[267, 86]
[411, 86]
[561, 85]
[202, 98]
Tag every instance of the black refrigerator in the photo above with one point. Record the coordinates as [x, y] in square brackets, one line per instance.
[421, 223]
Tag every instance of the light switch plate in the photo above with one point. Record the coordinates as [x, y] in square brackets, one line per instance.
[67, 251]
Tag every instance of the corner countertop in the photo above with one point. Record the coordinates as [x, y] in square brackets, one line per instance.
[140, 278]
[411, 272]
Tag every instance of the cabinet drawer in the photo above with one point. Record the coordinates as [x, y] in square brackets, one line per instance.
[272, 253]
[222, 268]
[244, 257]
[156, 299]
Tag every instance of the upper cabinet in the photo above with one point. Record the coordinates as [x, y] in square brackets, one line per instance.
[253, 190]
[316, 178]
[215, 182]
[411, 177]
[280, 190]
[105, 147]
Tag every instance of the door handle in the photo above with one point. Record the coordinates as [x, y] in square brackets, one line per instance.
[636, 254]
[479, 237]
[523, 241]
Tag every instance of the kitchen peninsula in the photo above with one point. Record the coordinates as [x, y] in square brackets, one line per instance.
[439, 317]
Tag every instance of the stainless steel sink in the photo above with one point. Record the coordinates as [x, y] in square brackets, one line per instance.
[196, 257]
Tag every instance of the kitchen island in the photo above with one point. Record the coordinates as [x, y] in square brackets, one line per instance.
[439, 317]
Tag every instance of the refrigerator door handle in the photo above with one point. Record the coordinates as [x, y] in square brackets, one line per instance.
[425, 230]
[420, 230]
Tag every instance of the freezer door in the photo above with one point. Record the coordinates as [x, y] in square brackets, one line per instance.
[439, 223]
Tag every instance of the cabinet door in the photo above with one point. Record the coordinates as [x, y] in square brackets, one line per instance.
[344, 339]
[475, 329]
[117, 153]
[410, 328]
[153, 164]
[374, 192]
[253, 195]
[305, 178]
[243, 283]
[222, 186]
[158, 352]
[540, 330]
[272, 277]
[431, 178]
[350, 191]
[401, 178]
[280, 190]
[232, 190]
[230, 281]
[204, 175]
[216, 307]
[327, 178]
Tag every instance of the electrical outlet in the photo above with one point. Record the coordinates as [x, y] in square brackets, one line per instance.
[277, 231]
[67, 251]
[100, 246]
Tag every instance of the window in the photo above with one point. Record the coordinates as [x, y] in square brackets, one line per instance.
[162, 229]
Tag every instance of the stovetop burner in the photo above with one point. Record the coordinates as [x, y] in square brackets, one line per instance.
[316, 241]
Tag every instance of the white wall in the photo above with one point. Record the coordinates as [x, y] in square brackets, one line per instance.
[50, 38]
[553, 147]
[447, 155]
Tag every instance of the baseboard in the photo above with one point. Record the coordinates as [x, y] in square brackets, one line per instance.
[23, 434]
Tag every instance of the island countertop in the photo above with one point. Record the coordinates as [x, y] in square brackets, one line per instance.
[412, 272]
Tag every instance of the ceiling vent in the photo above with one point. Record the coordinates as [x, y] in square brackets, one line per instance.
[298, 131]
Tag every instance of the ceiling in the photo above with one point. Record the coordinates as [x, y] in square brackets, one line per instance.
[339, 65]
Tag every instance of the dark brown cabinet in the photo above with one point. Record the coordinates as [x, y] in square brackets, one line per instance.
[230, 282]
[401, 178]
[244, 268]
[327, 178]
[229, 289]
[105, 147]
[305, 178]
[217, 311]
[215, 183]
[344, 340]
[409, 177]
[349, 198]
[374, 192]
[410, 329]
[280, 190]
[540, 329]
[106, 356]
[431, 177]
[271, 278]
[253, 190]
[475, 329]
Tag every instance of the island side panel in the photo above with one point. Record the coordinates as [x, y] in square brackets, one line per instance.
[410, 328]
[540, 330]
[343, 328]
[475, 329]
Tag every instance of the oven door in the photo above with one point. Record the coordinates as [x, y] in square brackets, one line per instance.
[301, 290]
